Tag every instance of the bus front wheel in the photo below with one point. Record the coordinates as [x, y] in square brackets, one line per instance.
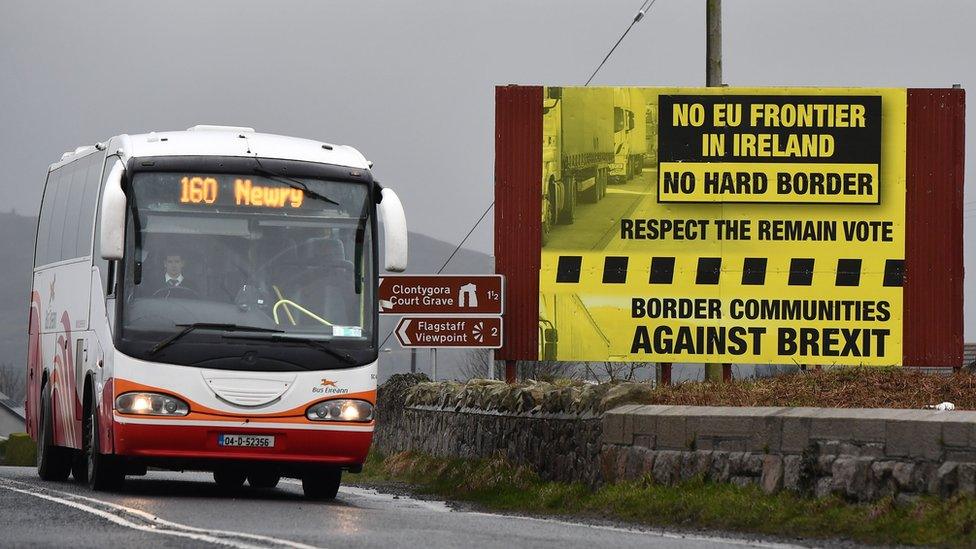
[102, 472]
[229, 479]
[263, 479]
[322, 485]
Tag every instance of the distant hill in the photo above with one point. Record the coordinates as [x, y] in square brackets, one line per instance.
[16, 258]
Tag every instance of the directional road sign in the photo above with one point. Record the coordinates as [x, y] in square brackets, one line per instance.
[460, 331]
[441, 294]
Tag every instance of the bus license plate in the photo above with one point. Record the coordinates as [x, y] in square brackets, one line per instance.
[248, 441]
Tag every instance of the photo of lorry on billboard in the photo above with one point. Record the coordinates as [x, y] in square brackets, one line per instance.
[743, 225]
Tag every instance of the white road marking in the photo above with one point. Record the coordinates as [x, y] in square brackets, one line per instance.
[154, 524]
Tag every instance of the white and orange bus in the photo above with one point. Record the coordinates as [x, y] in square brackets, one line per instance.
[205, 300]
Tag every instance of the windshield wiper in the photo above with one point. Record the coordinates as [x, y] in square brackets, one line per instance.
[187, 328]
[295, 184]
[314, 343]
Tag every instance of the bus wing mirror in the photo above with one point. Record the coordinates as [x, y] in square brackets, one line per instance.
[394, 231]
[112, 235]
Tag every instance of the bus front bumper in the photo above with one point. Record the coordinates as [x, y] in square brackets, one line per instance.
[156, 440]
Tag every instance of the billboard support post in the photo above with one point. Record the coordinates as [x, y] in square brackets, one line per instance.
[665, 368]
[510, 372]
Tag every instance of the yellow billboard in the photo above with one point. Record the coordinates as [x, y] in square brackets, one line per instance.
[743, 225]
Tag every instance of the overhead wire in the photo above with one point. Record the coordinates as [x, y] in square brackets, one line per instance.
[640, 15]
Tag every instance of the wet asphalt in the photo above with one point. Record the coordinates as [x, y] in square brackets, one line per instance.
[169, 509]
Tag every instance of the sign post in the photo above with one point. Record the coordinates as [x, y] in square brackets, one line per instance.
[433, 364]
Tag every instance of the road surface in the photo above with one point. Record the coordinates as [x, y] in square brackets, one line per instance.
[166, 509]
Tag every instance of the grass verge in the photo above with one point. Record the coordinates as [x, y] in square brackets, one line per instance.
[18, 450]
[497, 484]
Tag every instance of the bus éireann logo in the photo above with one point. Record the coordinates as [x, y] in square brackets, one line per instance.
[50, 316]
[329, 387]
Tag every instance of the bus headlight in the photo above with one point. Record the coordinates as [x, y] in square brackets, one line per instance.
[340, 410]
[151, 404]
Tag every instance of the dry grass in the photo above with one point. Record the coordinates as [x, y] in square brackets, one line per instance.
[835, 388]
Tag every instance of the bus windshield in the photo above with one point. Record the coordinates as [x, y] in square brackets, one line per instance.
[290, 257]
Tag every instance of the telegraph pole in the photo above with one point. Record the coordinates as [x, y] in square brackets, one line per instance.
[713, 43]
[713, 78]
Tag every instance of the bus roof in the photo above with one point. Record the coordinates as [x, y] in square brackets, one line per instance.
[225, 141]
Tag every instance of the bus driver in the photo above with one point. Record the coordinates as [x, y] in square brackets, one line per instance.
[173, 276]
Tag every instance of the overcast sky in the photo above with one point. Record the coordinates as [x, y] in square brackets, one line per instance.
[411, 83]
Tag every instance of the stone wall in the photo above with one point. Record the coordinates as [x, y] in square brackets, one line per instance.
[861, 454]
[558, 446]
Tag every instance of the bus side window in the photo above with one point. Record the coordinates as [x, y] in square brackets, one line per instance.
[73, 193]
[44, 222]
[106, 269]
[89, 195]
[58, 213]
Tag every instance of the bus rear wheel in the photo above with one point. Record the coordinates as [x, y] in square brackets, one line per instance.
[53, 462]
[322, 485]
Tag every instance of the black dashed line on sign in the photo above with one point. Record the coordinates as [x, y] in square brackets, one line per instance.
[801, 271]
[615, 269]
[754, 271]
[709, 270]
[662, 270]
[568, 270]
[848, 272]
[894, 272]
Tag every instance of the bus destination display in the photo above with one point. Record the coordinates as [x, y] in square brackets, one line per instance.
[239, 191]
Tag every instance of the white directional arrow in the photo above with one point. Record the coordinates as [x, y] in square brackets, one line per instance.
[402, 331]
